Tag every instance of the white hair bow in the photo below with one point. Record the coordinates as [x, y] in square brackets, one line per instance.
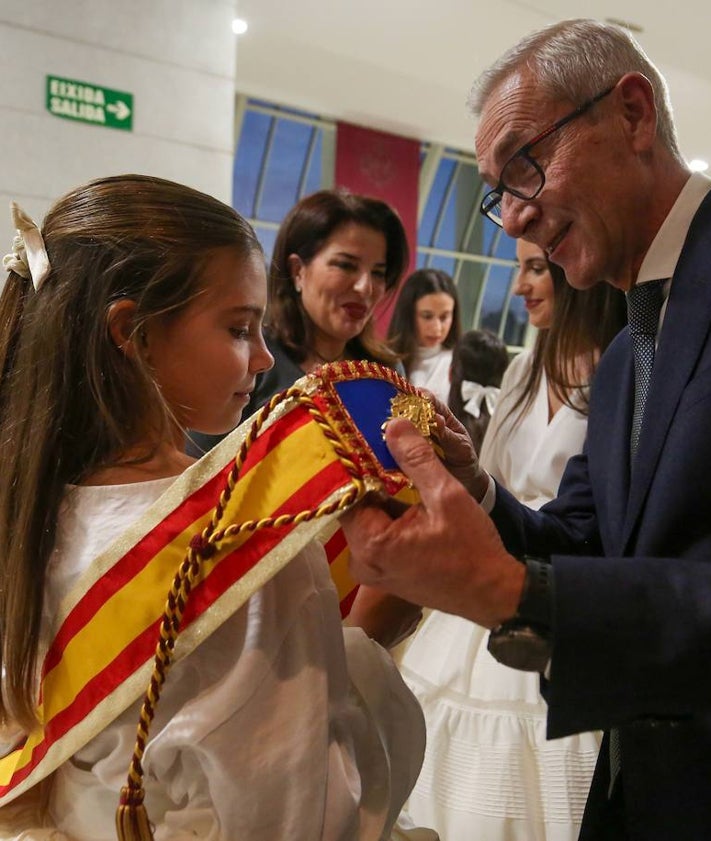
[474, 394]
[28, 257]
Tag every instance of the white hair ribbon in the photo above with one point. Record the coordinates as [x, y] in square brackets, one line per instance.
[28, 257]
[474, 394]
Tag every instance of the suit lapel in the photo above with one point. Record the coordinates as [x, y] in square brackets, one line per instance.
[684, 332]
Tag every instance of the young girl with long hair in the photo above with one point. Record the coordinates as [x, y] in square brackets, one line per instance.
[425, 327]
[133, 314]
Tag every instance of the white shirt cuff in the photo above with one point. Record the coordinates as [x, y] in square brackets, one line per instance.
[489, 498]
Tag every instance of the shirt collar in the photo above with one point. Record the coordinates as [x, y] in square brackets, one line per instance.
[663, 254]
[424, 352]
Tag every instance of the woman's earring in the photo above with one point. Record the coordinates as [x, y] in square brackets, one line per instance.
[298, 288]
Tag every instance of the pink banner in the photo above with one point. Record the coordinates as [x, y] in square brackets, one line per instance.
[387, 167]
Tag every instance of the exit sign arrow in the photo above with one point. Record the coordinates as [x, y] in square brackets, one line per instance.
[120, 109]
[85, 102]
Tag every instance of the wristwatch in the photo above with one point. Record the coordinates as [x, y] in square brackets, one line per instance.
[525, 641]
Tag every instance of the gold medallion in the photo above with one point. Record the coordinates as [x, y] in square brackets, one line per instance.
[418, 410]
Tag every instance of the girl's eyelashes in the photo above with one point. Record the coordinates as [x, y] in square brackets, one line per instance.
[242, 332]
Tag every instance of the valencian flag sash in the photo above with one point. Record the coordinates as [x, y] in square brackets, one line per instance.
[219, 533]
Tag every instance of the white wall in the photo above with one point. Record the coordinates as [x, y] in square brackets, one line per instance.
[177, 58]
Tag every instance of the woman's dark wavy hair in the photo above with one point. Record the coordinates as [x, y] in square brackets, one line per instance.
[304, 232]
[70, 401]
[402, 333]
[583, 325]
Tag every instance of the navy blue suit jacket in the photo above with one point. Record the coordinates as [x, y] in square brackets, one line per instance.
[632, 558]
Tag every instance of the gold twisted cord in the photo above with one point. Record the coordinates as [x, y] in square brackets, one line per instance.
[132, 822]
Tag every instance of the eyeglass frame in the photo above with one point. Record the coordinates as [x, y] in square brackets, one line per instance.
[487, 207]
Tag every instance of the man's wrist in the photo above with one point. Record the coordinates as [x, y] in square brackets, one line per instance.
[525, 641]
[536, 605]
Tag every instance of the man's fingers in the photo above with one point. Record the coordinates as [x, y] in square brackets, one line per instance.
[416, 458]
[362, 513]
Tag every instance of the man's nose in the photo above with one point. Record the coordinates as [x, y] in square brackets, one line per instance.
[517, 214]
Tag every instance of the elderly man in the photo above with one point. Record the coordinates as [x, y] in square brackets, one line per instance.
[577, 143]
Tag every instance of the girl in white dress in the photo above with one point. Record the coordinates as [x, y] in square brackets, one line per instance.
[489, 774]
[134, 314]
[425, 327]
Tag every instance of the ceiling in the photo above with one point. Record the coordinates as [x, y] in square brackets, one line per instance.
[405, 66]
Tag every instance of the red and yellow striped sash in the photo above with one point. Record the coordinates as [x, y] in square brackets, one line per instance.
[308, 456]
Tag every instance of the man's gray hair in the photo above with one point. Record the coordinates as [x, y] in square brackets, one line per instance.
[576, 60]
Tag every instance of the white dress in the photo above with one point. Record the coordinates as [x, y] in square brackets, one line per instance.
[489, 774]
[272, 728]
[430, 370]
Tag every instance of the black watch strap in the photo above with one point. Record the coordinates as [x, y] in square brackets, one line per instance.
[524, 642]
[536, 605]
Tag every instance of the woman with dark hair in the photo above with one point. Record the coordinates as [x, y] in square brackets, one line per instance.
[336, 256]
[489, 771]
[425, 327]
[541, 417]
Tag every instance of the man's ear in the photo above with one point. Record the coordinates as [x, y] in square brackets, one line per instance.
[120, 322]
[639, 110]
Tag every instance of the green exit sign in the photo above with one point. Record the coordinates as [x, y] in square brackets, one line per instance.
[89, 103]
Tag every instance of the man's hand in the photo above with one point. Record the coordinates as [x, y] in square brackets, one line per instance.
[444, 552]
[460, 457]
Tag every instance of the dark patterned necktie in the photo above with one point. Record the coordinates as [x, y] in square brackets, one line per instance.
[644, 303]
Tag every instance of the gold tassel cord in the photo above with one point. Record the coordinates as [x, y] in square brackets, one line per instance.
[132, 822]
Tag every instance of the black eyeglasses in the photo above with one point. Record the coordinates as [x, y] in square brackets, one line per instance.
[521, 175]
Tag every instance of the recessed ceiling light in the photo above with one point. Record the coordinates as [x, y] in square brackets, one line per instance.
[697, 165]
[239, 26]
